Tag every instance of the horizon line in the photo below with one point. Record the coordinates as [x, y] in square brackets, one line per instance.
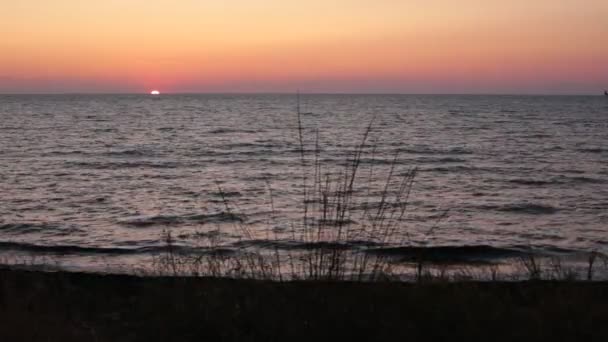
[303, 93]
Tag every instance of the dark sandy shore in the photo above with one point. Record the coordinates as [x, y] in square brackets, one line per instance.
[37, 306]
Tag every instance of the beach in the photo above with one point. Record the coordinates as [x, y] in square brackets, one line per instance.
[57, 306]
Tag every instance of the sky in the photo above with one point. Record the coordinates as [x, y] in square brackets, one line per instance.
[338, 46]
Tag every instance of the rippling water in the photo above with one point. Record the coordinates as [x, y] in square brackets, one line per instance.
[94, 177]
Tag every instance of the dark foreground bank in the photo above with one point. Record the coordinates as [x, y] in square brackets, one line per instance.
[36, 306]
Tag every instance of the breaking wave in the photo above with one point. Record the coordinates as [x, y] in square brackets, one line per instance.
[35, 228]
[557, 181]
[472, 253]
[167, 220]
[108, 251]
[522, 208]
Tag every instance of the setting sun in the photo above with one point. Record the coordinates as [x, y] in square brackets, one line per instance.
[155, 92]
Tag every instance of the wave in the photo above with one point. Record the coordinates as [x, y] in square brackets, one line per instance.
[24, 228]
[433, 254]
[65, 153]
[448, 160]
[430, 150]
[105, 130]
[129, 153]
[125, 165]
[31, 228]
[74, 249]
[168, 220]
[416, 160]
[592, 150]
[66, 249]
[589, 180]
[265, 144]
[466, 254]
[539, 136]
[230, 130]
[459, 111]
[299, 245]
[557, 181]
[227, 194]
[453, 168]
[522, 208]
[537, 182]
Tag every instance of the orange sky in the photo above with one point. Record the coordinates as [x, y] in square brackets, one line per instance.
[430, 46]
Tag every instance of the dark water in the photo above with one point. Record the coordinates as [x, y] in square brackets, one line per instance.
[96, 178]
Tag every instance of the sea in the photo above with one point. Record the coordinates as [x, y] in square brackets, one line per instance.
[94, 182]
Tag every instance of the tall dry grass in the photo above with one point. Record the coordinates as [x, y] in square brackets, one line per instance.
[336, 214]
[338, 226]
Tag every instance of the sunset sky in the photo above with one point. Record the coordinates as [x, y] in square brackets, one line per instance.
[363, 46]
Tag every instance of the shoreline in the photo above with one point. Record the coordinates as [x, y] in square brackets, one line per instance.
[62, 306]
[402, 264]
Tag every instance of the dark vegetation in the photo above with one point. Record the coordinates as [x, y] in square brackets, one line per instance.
[336, 214]
[37, 306]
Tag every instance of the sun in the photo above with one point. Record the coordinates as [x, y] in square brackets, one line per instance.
[155, 92]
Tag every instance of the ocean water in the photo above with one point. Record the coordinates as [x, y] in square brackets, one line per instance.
[95, 179]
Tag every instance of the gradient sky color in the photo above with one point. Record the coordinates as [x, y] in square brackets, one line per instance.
[363, 46]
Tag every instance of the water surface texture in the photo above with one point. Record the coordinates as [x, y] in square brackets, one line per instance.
[94, 177]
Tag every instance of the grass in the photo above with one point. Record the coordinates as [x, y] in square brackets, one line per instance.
[36, 306]
[335, 212]
[338, 228]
